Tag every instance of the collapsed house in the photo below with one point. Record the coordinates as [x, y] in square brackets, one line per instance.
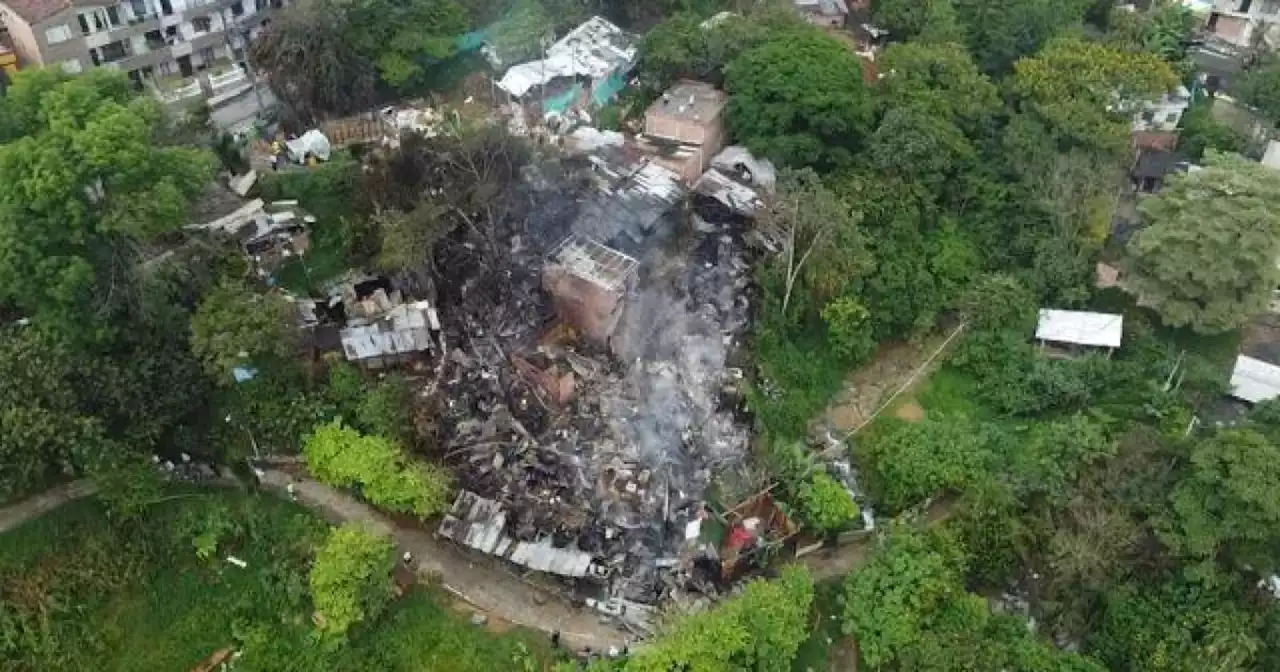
[406, 332]
[585, 68]
[269, 233]
[589, 399]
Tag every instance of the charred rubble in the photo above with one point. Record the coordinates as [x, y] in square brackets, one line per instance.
[589, 400]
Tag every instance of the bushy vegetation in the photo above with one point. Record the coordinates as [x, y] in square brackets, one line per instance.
[343, 457]
[79, 590]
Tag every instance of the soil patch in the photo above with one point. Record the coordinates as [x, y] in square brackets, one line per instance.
[911, 411]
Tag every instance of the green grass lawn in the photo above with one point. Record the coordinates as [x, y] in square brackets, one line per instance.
[136, 599]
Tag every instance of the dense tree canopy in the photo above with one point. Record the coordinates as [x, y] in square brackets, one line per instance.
[800, 101]
[999, 32]
[1228, 504]
[237, 327]
[1207, 258]
[1260, 87]
[1087, 92]
[84, 178]
[758, 630]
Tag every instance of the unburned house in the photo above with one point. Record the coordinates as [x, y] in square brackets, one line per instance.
[1069, 332]
[685, 127]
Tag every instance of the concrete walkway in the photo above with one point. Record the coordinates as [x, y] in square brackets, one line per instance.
[490, 591]
[33, 507]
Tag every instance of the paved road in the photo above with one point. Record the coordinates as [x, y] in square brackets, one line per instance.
[485, 588]
[33, 507]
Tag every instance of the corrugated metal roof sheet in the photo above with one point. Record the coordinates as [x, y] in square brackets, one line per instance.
[594, 49]
[478, 523]
[405, 329]
[1254, 380]
[1080, 327]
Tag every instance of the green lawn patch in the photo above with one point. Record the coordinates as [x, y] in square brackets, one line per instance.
[80, 592]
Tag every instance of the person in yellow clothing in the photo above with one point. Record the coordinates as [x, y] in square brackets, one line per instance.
[277, 154]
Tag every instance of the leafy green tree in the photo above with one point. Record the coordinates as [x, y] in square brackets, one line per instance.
[351, 578]
[999, 32]
[409, 238]
[402, 38]
[919, 20]
[941, 80]
[236, 326]
[826, 505]
[84, 183]
[800, 101]
[682, 47]
[342, 457]
[918, 146]
[889, 603]
[849, 328]
[521, 33]
[1175, 628]
[1201, 132]
[1049, 458]
[69, 410]
[1228, 503]
[759, 630]
[1207, 259]
[1087, 92]
[1260, 87]
[908, 610]
[914, 461]
[313, 64]
[821, 245]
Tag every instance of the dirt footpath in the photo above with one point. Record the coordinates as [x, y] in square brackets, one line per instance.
[33, 507]
[489, 591]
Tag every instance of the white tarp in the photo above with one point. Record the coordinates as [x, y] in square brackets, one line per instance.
[1254, 380]
[1103, 330]
[594, 49]
[312, 142]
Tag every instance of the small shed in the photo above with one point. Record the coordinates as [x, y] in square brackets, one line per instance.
[1254, 380]
[1153, 167]
[1080, 329]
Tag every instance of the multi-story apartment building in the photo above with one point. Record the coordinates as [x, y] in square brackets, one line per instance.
[1246, 23]
[148, 39]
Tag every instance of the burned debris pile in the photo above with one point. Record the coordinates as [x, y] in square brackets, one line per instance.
[588, 399]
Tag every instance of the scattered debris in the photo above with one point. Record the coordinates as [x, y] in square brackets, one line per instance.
[405, 332]
[588, 400]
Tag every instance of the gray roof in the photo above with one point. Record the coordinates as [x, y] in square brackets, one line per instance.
[480, 523]
[405, 329]
[824, 7]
